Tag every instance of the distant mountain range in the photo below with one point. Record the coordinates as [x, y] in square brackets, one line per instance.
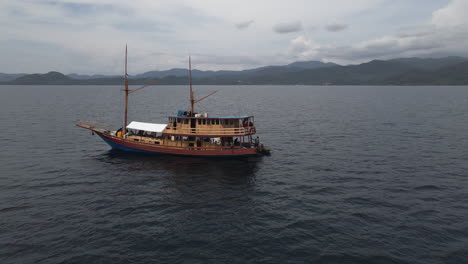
[403, 71]
[5, 77]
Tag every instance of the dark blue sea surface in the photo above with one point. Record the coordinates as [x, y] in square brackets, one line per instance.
[358, 174]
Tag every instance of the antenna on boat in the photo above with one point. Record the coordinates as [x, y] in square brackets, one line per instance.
[192, 99]
[124, 128]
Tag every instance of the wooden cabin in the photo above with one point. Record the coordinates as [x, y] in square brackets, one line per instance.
[196, 130]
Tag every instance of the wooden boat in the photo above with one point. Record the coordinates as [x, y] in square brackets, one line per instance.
[187, 133]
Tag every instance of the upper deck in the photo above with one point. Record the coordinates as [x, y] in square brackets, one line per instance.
[200, 125]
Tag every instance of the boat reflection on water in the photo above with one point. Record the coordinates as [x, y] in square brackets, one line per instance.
[186, 181]
[216, 168]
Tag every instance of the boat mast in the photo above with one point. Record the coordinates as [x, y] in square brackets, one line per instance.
[192, 99]
[126, 95]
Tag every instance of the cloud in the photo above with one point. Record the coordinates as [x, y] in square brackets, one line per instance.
[299, 45]
[95, 36]
[452, 15]
[224, 59]
[301, 48]
[76, 9]
[48, 34]
[336, 26]
[418, 31]
[210, 61]
[289, 27]
[244, 25]
[440, 42]
[446, 35]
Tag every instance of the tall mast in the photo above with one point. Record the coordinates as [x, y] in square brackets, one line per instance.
[192, 99]
[126, 95]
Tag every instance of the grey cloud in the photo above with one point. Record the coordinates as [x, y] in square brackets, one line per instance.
[289, 27]
[438, 42]
[225, 60]
[243, 25]
[240, 61]
[192, 15]
[337, 26]
[300, 45]
[105, 26]
[419, 31]
[141, 25]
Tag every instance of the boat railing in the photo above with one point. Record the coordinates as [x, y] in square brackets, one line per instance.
[136, 139]
[193, 147]
[142, 140]
[211, 131]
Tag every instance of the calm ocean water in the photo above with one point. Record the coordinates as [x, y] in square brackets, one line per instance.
[358, 174]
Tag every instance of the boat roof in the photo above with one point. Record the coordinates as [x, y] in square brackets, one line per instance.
[213, 117]
[150, 127]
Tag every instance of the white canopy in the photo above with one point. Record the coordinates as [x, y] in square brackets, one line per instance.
[150, 127]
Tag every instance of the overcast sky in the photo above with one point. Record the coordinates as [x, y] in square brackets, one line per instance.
[89, 36]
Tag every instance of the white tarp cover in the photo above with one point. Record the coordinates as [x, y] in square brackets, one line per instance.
[150, 127]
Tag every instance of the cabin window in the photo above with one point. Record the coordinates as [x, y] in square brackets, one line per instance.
[178, 120]
[222, 121]
[186, 121]
[231, 122]
[199, 121]
[204, 121]
[217, 121]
